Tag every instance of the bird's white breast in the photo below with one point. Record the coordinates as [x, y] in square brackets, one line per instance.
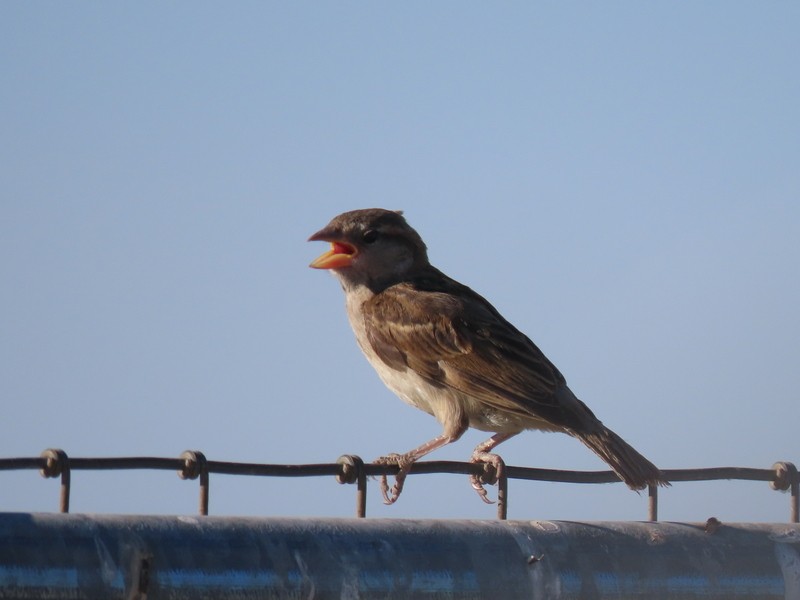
[407, 384]
[445, 403]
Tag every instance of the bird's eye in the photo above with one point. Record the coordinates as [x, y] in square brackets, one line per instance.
[370, 236]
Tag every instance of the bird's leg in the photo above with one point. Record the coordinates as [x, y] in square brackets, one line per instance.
[404, 462]
[482, 454]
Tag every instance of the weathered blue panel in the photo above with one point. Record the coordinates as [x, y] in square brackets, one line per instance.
[61, 556]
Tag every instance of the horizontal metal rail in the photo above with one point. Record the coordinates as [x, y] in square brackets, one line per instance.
[68, 556]
[350, 469]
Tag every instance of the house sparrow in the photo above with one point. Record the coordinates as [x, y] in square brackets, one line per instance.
[444, 349]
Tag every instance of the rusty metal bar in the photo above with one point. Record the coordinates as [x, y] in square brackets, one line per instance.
[19, 464]
[502, 496]
[54, 463]
[66, 484]
[195, 466]
[267, 470]
[426, 467]
[787, 478]
[204, 490]
[652, 503]
[126, 463]
[361, 492]
[55, 557]
[718, 473]
[351, 470]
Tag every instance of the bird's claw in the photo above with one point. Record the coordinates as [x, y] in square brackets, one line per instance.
[493, 470]
[404, 463]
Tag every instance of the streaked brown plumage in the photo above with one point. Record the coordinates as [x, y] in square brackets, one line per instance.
[444, 349]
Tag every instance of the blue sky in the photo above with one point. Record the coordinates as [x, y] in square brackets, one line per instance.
[620, 179]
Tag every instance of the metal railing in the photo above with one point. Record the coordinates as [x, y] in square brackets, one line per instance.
[350, 469]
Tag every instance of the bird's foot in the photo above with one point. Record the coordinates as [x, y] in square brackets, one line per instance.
[404, 462]
[493, 468]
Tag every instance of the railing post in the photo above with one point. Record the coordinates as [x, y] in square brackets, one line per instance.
[652, 502]
[353, 472]
[786, 478]
[56, 463]
[195, 466]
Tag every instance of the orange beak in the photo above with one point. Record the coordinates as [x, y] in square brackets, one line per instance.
[340, 255]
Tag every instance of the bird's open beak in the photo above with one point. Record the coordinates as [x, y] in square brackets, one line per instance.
[340, 255]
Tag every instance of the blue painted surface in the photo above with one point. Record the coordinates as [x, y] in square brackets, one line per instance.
[231, 578]
[12, 576]
[42, 577]
[421, 579]
[689, 585]
[52, 556]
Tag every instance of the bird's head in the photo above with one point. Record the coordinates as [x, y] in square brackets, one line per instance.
[373, 247]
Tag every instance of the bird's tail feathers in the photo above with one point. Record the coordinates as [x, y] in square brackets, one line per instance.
[633, 468]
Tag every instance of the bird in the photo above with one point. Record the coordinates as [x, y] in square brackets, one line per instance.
[443, 348]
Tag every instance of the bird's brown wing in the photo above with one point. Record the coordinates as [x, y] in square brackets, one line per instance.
[453, 337]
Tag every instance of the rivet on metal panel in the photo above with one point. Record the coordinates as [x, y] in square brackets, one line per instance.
[56, 463]
[712, 525]
[353, 472]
